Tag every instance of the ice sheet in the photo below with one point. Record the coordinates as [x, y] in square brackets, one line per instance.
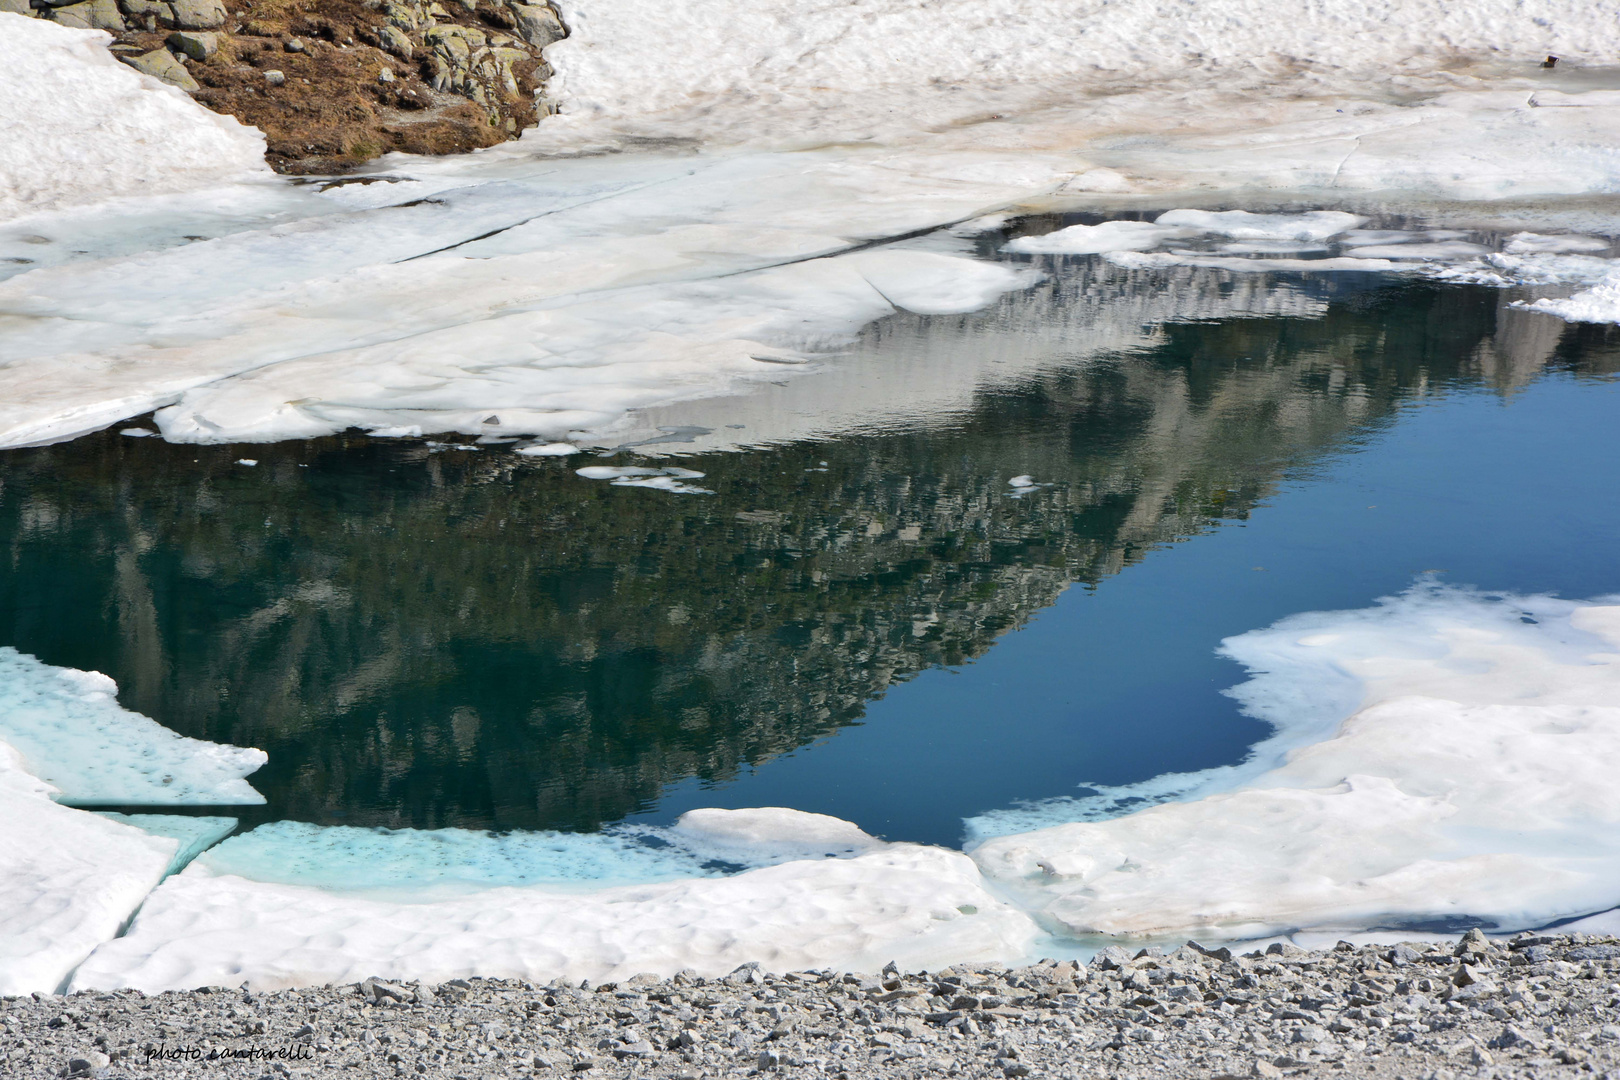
[78, 126]
[417, 865]
[1469, 780]
[68, 880]
[71, 732]
[918, 906]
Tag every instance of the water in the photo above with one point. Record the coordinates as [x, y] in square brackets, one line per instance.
[864, 621]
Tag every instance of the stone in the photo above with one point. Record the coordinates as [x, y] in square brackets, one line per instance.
[275, 78]
[17, 7]
[293, 45]
[197, 44]
[91, 15]
[198, 14]
[397, 42]
[161, 64]
[1480, 1056]
[1266, 1069]
[538, 24]
[385, 76]
[88, 1063]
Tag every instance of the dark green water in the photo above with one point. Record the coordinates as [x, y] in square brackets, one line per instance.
[433, 638]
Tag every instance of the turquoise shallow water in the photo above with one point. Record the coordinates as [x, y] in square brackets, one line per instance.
[878, 625]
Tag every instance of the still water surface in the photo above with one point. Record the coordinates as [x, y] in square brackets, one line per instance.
[871, 623]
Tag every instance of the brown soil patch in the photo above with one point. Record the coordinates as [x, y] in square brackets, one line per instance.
[337, 109]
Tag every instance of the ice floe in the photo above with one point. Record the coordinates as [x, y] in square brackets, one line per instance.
[920, 906]
[1243, 225]
[1096, 239]
[78, 126]
[72, 733]
[1469, 780]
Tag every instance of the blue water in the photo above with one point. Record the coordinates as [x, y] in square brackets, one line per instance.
[1119, 683]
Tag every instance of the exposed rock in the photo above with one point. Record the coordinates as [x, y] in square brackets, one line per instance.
[538, 24]
[161, 64]
[199, 45]
[17, 7]
[1390, 1024]
[336, 83]
[197, 14]
[90, 15]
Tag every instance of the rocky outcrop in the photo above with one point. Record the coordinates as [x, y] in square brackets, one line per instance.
[337, 83]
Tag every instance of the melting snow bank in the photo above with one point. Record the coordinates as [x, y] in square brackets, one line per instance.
[1473, 780]
[80, 127]
[920, 906]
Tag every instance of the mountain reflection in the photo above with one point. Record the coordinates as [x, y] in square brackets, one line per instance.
[426, 637]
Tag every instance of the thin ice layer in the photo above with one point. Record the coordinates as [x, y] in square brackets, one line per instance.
[71, 732]
[78, 126]
[194, 833]
[1470, 780]
[424, 864]
[68, 880]
[919, 906]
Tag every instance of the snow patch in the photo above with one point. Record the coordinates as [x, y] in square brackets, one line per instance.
[1470, 778]
[79, 127]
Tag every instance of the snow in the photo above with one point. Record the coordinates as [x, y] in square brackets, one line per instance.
[790, 74]
[1470, 778]
[1243, 225]
[72, 733]
[68, 880]
[78, 126]
[1096, 239]
[918, 906]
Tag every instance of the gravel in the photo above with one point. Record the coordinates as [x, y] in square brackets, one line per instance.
[1536, 1006]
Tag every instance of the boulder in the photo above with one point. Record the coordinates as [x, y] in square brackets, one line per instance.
[538, 24]
[197, 44]
[91, 15]
[17, 7]
[161, 64]
[396, 42]
[198, 14]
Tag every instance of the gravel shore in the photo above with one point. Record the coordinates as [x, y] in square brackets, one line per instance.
[1535, 1006]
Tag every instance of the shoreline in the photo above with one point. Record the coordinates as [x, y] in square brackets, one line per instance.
[1534, 1006]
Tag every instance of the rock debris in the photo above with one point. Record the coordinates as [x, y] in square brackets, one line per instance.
[1540, 1005]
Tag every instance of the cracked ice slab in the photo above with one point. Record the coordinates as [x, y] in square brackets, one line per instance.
[70, 731]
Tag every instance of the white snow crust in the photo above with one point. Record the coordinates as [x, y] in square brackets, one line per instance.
[72, 733]
[77, 126]
[1471, 779]
[68, 880]
[919, 906]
